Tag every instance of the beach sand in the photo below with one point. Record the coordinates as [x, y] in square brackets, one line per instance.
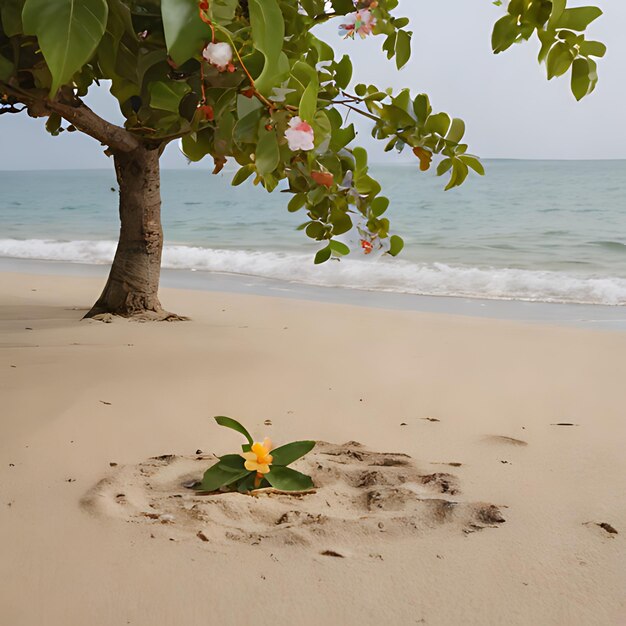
[446, 492]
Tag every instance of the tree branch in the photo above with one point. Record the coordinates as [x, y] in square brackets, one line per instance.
[79, 115]
[88, 122]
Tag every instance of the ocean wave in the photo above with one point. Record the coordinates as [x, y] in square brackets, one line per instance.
[617, 246]
[390, 275]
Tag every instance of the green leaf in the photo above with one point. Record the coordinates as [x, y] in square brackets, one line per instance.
[343, 6]
[234, 462]
[338, 247]
[341, 137]
[473, 162]
[268, 32]
[296, 203]
[341, 222]
[287, 479]
[444, 166]
[308, 102]
[247, 127]
[267, 152]
[459, 174]
[438, 123]
[68, 33]
[315, 230]
[53, 124]
[547, 39]
[395, 245]
[167, 95]
[246, 484]
[223, 11]
[389, 45]
[558, 6]
[323, 255]
[220, 475]
[321, 127]
[380, 205]
[505, 34]
[457, 130]
[403, 48]
[581, 81]
[592, 48]
[559, 59]
[185, 33]
[242, 174]
[360, 158]
[196, 146]
[578, 18]
[6, 68]
[229, 422]
[290, 452]
[343, 72]
[422, 108]
[11, 17]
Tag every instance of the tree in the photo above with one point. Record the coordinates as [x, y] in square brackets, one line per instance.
[248, 80]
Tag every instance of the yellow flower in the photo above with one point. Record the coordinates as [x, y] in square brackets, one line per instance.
[259, 458]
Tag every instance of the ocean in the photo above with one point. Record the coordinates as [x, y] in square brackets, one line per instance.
[545, 231]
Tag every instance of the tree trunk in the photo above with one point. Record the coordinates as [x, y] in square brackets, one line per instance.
[132, 287]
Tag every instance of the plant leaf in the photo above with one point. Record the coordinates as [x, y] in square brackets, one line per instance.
[229, 422]
[220, 475]
[167, 95]
[403, 48]
[268, 32]
[396, 245]
[68, 33]
[6, 68]
[474, 163]
[185, 32]
[287, 479]
[233, 461]
[323, 255]
[267, 152]
[290, 452]
[578, 18]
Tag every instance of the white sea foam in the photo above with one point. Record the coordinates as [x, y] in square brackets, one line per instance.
[392, 275]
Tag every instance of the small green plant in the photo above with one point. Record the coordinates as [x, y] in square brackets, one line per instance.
[255, 467]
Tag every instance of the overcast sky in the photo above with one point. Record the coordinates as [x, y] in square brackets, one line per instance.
[511, 111]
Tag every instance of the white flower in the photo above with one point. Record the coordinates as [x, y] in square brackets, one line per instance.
[362, 22]
[299, 135]
[218, 54]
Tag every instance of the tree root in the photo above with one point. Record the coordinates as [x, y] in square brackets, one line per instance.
[137, 316]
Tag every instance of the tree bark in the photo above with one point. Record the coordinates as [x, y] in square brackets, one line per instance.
[132, 287]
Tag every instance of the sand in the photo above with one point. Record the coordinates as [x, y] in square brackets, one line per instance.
[446, 493]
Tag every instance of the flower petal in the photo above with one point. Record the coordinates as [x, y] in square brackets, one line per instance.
[258, 449]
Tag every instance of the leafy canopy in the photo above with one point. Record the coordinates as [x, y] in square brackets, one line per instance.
[280, 74]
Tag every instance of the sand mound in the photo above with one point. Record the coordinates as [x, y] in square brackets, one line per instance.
[360, 496]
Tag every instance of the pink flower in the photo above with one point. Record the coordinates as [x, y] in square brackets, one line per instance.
[299, 135]
[219, 54]
[362, 22]
[367, 246]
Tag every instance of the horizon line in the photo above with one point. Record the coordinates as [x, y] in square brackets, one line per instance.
[372, 163]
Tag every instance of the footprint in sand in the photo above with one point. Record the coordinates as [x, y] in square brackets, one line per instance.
[360, 498]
